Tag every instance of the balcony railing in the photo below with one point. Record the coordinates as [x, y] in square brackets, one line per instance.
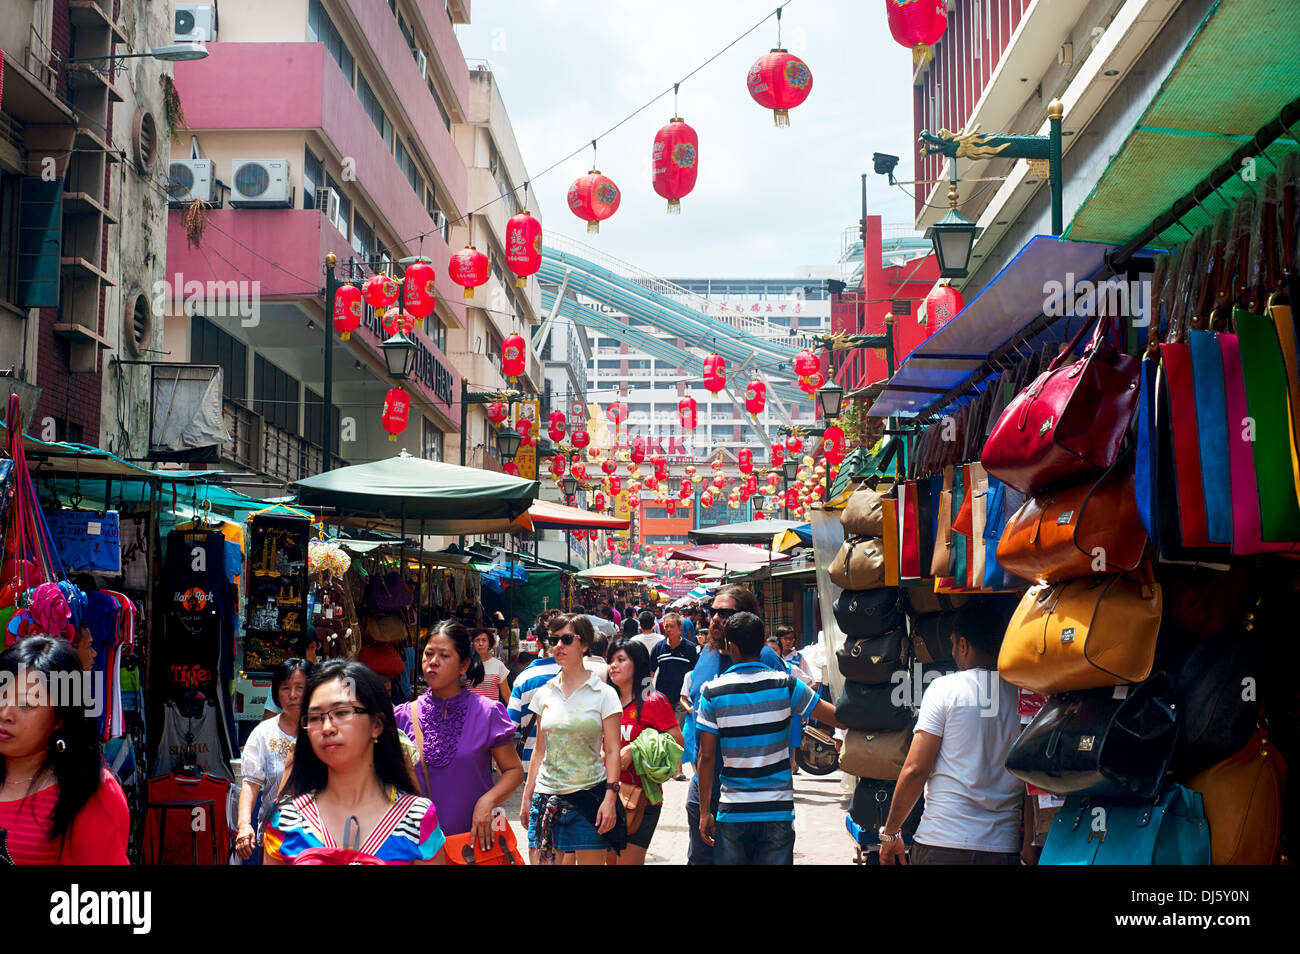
[266, 449]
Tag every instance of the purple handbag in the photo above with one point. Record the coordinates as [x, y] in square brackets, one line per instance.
[388, 593]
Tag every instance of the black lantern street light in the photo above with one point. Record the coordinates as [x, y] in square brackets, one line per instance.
[569, 484]
[832, 397]
[954, 238]
[399, 356]
[507, 441]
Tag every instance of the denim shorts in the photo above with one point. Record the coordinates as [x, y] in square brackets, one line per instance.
[572, 830]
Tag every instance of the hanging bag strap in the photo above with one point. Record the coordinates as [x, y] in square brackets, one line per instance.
[418, 732]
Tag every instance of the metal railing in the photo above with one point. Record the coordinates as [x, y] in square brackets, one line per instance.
[244, 427]
[266, 449]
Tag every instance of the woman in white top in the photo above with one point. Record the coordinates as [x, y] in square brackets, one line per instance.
[496, 681]
[262, 761]
[570, 800]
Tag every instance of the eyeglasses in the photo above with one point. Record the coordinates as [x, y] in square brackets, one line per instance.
[723, 614]
[339, 715]
[566, 638]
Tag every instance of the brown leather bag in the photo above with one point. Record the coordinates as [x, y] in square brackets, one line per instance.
[878, 755]
[864, 514]
[385, 628]
[634, 802]
[943, 533]
[859, 564]
[1082, 634]
[1243, 804]
[1084, 529]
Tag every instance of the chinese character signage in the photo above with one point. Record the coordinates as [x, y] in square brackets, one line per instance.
[526, 456]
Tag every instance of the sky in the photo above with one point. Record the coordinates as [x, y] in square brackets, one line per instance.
[767, 200]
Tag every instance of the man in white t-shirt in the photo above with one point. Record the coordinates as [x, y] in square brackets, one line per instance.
[966, 726]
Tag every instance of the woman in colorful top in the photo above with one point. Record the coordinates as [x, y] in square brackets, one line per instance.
[496, 677]
[459, 735]
[264, 753]
[349, 784]
[58, 803]
[643, 708]
[571, 798]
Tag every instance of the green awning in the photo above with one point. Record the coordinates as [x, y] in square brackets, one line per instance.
[1234, 77]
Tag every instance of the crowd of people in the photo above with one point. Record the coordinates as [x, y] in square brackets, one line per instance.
[592, 728]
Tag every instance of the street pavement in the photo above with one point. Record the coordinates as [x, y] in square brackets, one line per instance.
[820, 838]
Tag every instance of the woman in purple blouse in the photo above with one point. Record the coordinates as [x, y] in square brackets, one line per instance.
[459, 735]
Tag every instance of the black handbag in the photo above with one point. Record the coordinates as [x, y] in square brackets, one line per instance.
[870, 807]
[868, 612]
[930, 634]
[1093, 743]
[1219, 710]
[878, 708]
[872, 660]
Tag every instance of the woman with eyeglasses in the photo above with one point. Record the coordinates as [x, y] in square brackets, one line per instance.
[570, 801]
[349, 786]
[59, 804]
[460, 734]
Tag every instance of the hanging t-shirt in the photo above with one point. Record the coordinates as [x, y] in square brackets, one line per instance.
[189, 834]
[203, 732]
[98, 834]
[86, 541]
[133, 535]
[194, 606]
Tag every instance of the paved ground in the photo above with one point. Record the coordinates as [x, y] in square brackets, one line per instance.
[820, 838]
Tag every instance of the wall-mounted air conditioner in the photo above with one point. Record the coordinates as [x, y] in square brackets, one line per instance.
[260, 183]
[195, 23]
[422, 63]
[190, 179]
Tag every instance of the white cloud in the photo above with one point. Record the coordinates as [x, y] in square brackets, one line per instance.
[767, 199]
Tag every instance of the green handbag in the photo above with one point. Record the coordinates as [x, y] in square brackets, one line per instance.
[1267, 400]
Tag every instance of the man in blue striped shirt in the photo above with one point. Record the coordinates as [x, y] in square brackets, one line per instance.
[744, 716]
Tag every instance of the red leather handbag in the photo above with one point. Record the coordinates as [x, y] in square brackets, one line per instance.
[1071, 420]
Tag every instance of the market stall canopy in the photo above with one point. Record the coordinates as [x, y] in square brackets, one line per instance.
[614, 573]
[547, 515]
[728, 554]
[750, 531]
[449, 499]
[786, 540]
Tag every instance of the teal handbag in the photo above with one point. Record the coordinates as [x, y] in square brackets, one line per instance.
[1106, 831]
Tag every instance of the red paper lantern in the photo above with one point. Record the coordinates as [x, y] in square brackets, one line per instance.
[397, 409]
[652, 483]
[793, 444]
[469, 268]
[715, 373]
[580, 439]
[671, 507]
[419, 294]
[805, 363]
[524, 428]
[593, 198]
[792, 498]
[917, 24]
[706, 499]
[833, 445]
[558, 463]
[684, 492]
[523, 247]
[579, 469]
[674, 161]
[811, 383]
[598, 500]
[497, 411]
[755, 397]
[615, 486]
[609, 467]
[380, 291]
[942, 305]
[513, 350]
[750, 486]
[779, 81]
[511, 468]
[719, 481]
[778, 454]
[745, 460]
[348, 305]
[686, 411]
[616, 413]
[395, 320]
[611, 544]
[556, 434]
[759, 515]
[637, 450]
[716, 463]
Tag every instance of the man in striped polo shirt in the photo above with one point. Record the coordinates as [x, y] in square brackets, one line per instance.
[744, 717]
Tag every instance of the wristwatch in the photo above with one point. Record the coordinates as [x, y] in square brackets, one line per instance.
[886, 837]
[611, 787]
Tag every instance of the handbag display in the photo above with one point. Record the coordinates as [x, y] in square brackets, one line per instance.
[872, 799]
[385, 628]
[864, 515]
[861, 613]
[1243, 803]
[859, 564]
[1100, 743]
[1083, 634]
[1217, 720]
[872, 660]
[1172, 830]
[943, 527]
[1070, 420]
[922, 600]
[1265, 377]
[875, 708]
[875, 754]
[1075, 531]
[388, 592]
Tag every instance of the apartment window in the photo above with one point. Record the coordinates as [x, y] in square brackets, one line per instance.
[313, 178]
[363, 239]
[375, 110]
[275, 395]
[504, 187]
[210, 345]
[407, 33]
[437, 101]
[433, 438]
[436, 329]
[321, 29]
[435, 210]
[410, 168]
[313, 406]
[343, 222]
[638, 365]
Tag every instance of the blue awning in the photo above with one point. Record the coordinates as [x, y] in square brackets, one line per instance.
[1016, 297]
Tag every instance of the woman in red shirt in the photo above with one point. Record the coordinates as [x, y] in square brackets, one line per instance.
[58, 803]
[643, 708]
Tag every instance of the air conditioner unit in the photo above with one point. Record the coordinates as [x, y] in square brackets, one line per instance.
[327, 200]
[190, 179]
[439, 219]
[422, 63]
[260, 183]
[195, 23]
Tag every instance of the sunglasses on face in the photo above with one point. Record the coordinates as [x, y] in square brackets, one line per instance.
[724, 614]
[566, 638]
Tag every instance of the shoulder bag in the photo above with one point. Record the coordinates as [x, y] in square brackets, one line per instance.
[872, 708]
[1171, 830]
[877, 755]
[869, 808]
[1217, 721]
[864, 514]
[872, 660]
[1243, 803]
[860, 613]
[859, 564]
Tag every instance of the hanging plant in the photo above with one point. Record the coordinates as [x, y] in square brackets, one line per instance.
[173, 111]
[196, 220]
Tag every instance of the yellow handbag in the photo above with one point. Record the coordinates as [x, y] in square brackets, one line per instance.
[1082, 634]
[859, 564]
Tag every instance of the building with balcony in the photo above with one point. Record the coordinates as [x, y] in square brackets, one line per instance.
[83, 161]
[317, 127]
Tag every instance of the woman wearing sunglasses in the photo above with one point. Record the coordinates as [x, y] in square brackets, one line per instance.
[570, 800]
[349, 785]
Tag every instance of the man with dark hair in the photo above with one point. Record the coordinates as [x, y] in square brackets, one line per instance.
[966, 726]
[744, 717]
[647, 636]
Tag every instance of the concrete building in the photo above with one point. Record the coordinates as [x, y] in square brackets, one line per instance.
[83, 171]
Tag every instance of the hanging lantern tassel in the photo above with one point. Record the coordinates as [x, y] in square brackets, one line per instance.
[921, 53]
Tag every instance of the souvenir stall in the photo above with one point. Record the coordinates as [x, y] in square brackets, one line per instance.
[1117, 474]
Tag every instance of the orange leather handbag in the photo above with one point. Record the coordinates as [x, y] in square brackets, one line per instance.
[1081, 530]
[1083, 634]
[1243, 803]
